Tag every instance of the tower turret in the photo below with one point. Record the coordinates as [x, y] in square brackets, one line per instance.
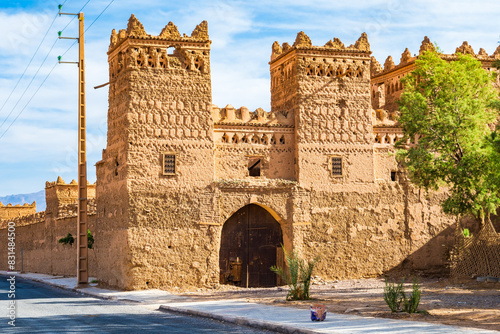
[326, 90]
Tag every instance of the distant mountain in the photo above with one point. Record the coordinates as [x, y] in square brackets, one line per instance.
[39, 197]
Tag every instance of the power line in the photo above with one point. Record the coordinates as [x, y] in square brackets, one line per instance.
[24, 72]
[29, 85]
[98, 16]
[27, 66]
[36, 51]
[45, 79]
[75, 16]
[90, 25]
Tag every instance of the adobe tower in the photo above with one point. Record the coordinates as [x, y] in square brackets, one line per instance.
[326, 91]
[160, 149]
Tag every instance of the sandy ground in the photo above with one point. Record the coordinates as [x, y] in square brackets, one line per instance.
[465, 303]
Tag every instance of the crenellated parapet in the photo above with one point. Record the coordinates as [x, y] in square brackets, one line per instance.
[133, 48]
[28, 219]
[136, 30]
[427, 45]
[10, 211]
[59, 194]
[303, 67]
[243, 116]
[259, 127]
[387, 85]
[303, 42]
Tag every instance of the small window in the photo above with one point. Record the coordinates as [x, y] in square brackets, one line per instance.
[254, 165]
[336, 166]
[169, 164]
[393, 176]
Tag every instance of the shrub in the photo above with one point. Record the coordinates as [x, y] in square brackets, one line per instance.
[70, 240]
[90, 240]
[411, 304]
[395, 297]
[297, 276]
[67, 240]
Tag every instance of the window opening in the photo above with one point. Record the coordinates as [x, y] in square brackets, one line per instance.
[169, 164]
[254, 165]
[310, 70]
[163, 61]
[337, 166]
[198, 64]
[330, 72]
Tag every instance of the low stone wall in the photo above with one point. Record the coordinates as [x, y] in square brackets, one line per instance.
[38, 250]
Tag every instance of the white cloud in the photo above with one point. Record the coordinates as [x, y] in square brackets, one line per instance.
[242, 33]
[22, 31]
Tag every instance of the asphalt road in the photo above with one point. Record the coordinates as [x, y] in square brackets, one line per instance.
[42, 309]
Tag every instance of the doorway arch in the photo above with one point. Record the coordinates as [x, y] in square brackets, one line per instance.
[250, 244]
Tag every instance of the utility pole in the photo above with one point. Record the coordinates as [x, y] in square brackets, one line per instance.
[82, 226]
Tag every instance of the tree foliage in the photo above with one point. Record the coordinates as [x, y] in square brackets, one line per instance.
[451, 107]
[70, 240]
[67, 240]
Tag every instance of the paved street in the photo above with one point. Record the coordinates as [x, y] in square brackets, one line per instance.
[42, 309]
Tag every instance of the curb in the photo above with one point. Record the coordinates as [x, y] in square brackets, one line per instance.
[63, 287]
[241, 321]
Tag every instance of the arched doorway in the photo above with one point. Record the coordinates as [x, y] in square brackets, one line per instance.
[250, 244]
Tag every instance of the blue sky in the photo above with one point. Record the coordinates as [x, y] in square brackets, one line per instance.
[38, 132]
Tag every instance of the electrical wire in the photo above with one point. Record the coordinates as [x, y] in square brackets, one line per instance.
[43, 62]
[24, 72]
[75, 16]
[31, 81]
[27, 66]
[98, 16]
[45, 79]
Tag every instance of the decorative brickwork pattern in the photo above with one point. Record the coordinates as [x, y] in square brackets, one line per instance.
[176, 167]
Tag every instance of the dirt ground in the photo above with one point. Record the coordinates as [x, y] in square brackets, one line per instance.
[466, 303]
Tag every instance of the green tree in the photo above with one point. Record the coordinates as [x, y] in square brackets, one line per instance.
[450, 107]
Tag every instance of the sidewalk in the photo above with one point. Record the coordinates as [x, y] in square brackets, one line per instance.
[275, 318]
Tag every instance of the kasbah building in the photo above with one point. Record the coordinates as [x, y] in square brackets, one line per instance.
[189, 194]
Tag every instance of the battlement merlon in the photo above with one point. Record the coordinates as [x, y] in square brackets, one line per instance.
[169, 36]
[244, 117]
[303, 44]
[9, 212]
[25, 205]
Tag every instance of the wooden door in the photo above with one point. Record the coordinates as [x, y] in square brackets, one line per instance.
[250, 243]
